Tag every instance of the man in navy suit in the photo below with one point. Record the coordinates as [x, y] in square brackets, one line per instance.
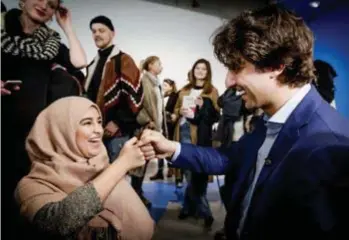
[292, 171]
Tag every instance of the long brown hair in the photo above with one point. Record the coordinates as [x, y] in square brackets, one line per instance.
[172, 84]
[208, 87]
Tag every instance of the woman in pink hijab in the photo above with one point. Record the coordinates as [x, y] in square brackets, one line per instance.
[72, 192]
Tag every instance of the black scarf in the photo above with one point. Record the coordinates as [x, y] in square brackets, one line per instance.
[43, 44]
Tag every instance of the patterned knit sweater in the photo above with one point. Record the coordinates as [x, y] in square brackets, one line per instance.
[120, 96]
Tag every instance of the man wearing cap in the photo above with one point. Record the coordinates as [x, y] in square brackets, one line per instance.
[113, 82]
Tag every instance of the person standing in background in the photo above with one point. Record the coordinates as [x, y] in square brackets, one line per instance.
[152, 115]
[170, 97]
[113, 82]
[324, 83]
[196, 110]
[231, 104]
[29, 49]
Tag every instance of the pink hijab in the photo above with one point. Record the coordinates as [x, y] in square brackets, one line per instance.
[58, 168]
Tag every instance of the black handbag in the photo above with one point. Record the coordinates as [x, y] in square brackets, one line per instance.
[62, 84]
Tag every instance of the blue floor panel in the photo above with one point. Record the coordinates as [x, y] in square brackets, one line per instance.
[162, 192]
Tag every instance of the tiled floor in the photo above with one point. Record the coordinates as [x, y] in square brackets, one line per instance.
[166, 200]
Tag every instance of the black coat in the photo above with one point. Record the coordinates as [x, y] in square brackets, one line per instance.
[169, 109]
[325, 80]
[231, 105]
[20, 109]
[204, 119]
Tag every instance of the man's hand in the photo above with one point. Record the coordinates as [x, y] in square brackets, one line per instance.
[154, 145]
[111, 129]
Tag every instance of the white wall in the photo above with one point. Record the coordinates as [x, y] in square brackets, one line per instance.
[178, 36]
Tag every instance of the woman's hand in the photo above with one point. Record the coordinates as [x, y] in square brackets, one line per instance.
[77, 54]
[187, 113]
[151, 125]
[64, 19]
[155, 145]
[5, 91]
[184, 111]
[131, 155]
[173, 117]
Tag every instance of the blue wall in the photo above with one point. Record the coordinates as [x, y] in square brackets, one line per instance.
[332, 45]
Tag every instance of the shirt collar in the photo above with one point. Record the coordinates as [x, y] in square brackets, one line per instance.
[285, 111]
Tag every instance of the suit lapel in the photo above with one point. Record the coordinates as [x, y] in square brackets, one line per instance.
[287, 137]
[289, 134]
[282, 145]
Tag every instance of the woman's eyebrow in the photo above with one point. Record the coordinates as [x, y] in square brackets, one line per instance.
[87, 118]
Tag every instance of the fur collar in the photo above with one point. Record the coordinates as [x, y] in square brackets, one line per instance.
[154, 79]
[91, 68]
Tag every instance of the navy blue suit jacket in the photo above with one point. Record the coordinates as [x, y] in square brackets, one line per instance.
[303, 189]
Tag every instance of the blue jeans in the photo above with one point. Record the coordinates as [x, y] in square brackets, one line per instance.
[195, 200]
[114, 146]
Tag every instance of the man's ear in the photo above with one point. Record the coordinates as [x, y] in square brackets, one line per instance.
[276, 72]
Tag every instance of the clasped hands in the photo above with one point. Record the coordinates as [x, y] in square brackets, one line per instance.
[150, 145]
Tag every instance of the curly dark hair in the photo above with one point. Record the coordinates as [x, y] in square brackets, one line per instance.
[269, 38]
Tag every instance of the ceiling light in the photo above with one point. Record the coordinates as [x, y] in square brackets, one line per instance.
[314, 4]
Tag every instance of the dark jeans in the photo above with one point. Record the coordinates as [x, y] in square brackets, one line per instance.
[195, 200]
[226, 190]
[137, 182]
[161, 164]
[114, 146]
